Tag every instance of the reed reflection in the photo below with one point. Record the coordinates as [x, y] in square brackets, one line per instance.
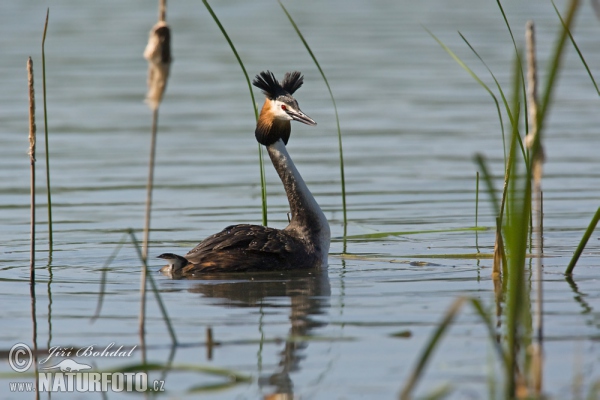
[309, 292]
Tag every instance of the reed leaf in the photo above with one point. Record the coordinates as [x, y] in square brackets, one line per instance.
[487, 178]
[516, 228]
[380, 235]
[260, 154]
[562, 21]
[517, 54]
[437, 335]
[507, 107]
[474, 76]
[49, 195]
[554, 68]
[583, 242]
[337, 119]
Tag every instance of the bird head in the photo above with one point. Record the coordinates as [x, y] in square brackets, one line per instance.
[280, 107]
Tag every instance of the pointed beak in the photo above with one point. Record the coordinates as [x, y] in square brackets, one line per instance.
[301, 117]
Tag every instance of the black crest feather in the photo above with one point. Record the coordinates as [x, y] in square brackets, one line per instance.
[271, 87]
[292, 81]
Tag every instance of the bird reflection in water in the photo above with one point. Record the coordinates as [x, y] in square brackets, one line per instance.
[309, 292]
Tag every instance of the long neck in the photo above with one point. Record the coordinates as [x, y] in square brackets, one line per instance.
[306, 213]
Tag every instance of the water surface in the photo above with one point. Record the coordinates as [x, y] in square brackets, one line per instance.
[412, 120]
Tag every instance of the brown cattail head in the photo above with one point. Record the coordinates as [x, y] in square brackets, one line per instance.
[32, 127]
[158, 54]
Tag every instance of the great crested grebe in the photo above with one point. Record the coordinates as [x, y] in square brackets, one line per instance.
[304, 243]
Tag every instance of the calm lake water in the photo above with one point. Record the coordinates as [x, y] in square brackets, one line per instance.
[412, 120]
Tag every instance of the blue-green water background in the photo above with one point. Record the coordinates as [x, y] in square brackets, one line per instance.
[411, 119]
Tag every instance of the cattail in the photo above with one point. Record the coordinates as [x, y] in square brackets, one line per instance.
[158, 54]
[32, 127]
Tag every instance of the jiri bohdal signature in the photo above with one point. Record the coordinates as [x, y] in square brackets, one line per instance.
[89, 351]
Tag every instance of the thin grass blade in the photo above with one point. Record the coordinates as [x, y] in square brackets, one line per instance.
[487, 178]
[49, 194]
[480, 310]
[416, 373]
[470, 72]
[583, 242]
[554, 68]
[380, 235]
[576, 48]
[447, 320]
[506, 107]
[263, 185]
[518, 55]
[337, 119]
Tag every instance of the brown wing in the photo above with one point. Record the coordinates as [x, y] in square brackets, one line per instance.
[247, 248]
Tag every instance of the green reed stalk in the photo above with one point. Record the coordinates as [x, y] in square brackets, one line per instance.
[32, 138]
[583, 242]
[50, 235]
[516, 229]
[260, 154]
[337, 119]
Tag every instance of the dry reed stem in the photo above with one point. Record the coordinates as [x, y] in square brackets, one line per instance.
[158, 54]
[31, 152]
[537, 161]
[162, 10]
[32, 130]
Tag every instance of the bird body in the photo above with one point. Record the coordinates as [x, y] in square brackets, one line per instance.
[304, 243]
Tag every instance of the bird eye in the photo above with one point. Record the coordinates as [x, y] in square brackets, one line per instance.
[283, 107]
